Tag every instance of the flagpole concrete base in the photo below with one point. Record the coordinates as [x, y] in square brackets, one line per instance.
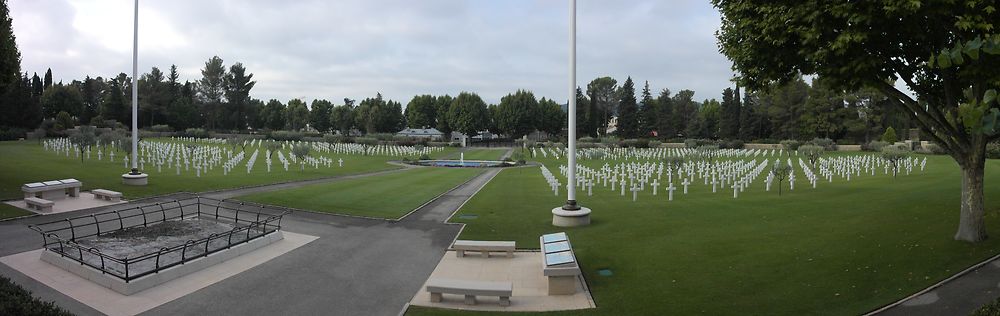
[135, 179]
[570, 218]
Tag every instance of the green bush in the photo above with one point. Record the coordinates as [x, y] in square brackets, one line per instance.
[15, 300]
[933, 149]
[991, 309]
[791, 144]
[586, 140]
[12, 133]
[64, 121]
[731, 144]
[890, 135]
[196, 133]
[425, 157]
[370, 141]
[655, 144]
[993, 150]
[333, 139]
[437, 144]
[635, 143]
[286, 135]
[875, 145]
[161, 128]
[826, 143]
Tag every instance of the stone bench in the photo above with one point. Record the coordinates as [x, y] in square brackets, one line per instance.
[470, 289]
[483, 247]
[109, 195]
[42, 205]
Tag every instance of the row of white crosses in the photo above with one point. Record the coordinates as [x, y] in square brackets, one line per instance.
[551, 180]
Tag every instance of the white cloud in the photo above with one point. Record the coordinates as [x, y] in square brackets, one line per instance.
[322, 49]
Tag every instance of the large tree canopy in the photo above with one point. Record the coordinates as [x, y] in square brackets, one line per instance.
[517, 114]
[468, 114]
[946, 52]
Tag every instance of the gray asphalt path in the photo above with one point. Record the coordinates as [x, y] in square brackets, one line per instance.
[358, 266]
[959, 296]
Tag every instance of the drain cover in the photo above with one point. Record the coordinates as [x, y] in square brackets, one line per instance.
[605, 272]
[468, 216]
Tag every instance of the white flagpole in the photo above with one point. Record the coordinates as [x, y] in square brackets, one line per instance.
[135, 92]
[571, 109]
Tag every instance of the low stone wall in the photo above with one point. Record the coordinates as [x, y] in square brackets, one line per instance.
[848, 147]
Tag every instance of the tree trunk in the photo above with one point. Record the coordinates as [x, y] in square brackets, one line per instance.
[972, 224]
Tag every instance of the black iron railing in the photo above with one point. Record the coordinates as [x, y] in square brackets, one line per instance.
[250, 221]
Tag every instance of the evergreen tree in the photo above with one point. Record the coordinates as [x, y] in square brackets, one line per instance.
[684, 110]
[517, 115]
[603, 93]
[729, 117]
[273, 115]
[319, 115]
[443, 104]
[647, 112]
[422, 111]
[628, 111]
[296, 115]
[237, 86]
[48, 78]
[342, 117]
[584, 113]
[10, 70]
[666, 127]
[211, 89]
[468, 114]
[552, 119]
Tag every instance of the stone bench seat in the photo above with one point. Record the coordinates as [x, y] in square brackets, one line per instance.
[42, 205]
[109, 195]
[470, 289]
[484, 247]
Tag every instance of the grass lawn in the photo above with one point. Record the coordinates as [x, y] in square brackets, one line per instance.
[480, 154]
[843, 248]
[7, 211]
[26, 161]
[384, 196]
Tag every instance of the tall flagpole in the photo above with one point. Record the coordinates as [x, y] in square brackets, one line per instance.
[135, 91]
[571, 109]
[135, 177]
[571, 214]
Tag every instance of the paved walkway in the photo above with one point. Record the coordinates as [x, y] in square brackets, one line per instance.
[960, 296]
[358, 266]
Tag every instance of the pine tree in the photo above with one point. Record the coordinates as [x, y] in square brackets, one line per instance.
[729, 118]
[647, 112]
[628, 111]
[48, 78]
[10, 69]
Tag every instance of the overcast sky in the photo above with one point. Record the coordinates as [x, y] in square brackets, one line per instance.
[316, 49]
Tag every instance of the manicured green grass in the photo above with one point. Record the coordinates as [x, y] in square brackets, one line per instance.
[384, 196]
[7, 211]
[480, 154]
[843, 248]
[26, 161]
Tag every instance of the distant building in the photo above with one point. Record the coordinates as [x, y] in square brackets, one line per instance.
[432, 133]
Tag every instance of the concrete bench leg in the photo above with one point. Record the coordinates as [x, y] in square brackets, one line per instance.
[470, 300]
[486, 253]
[460, 253]
[505, 301]
[510, 254]
[435, 297]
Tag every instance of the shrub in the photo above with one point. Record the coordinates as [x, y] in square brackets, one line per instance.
[286, 135]
[654, 144]
[993, 150]
[607, 140]
[15, 300]
[370, 141]
[425, 157]
[890, 135]
[934, 149]
[13, 133]
[437, 144]
[812, 152]
[635, 143]
[691, 143]
[64, 121]
[196, 133]
[733, 144]
[826, 143]
[875, 145]
[586, 140]
[791, 144]
[161, 128]
[991, 309]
